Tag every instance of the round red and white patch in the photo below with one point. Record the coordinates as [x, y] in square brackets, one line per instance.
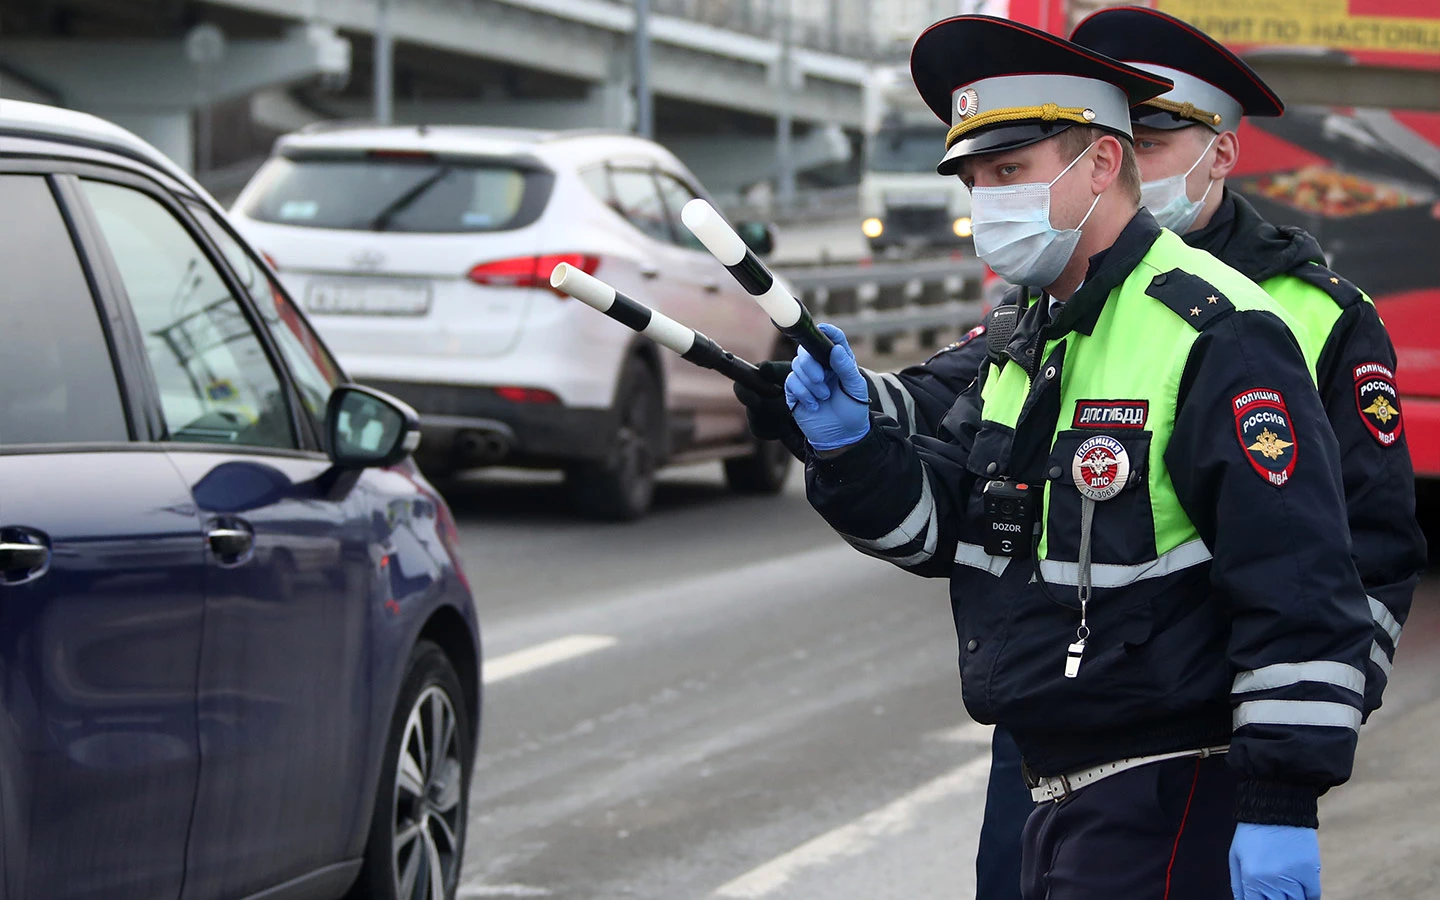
[967, 103]
[1100, 467]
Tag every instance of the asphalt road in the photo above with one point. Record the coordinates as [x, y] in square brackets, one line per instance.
[724, 701]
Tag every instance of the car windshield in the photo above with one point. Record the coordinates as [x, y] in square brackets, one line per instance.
[407, 193]
[913, 149]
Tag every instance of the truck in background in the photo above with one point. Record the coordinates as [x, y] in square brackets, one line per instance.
[904, 204]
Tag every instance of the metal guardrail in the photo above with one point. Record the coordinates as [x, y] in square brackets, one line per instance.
[813, 205]
[925, 303]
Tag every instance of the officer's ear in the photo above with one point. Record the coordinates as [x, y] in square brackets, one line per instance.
[1109, 160]
[1227, 154]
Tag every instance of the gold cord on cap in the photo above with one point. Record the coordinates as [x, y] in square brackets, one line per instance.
[1048, 112]
[1186, 111]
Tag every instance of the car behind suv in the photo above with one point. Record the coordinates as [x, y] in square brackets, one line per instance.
[238, 655]
[424, 256]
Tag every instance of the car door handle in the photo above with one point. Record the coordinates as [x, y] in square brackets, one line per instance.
[649, 273]
[16, 558]
[230, 542]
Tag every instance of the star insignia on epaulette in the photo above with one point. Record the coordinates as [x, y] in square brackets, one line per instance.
[1194, 310]
[1334, 280]
[1212, 299]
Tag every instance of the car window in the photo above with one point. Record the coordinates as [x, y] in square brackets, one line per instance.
[57, 381]
[597, 179]
[676, 194]
[637, 199]
[410, 192]
[216, 383]
[316, 373]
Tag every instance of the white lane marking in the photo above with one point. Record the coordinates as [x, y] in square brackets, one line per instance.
[547, 654]
[502, 890]
[858, 836]
[969, 733]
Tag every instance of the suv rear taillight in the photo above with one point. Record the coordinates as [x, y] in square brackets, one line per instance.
[526, 395]
[529, 271]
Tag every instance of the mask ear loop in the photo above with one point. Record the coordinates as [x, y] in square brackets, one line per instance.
[1077, 159]
[1184, 179]
[1097, 196]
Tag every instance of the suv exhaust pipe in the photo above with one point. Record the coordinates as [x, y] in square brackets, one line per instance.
[481, 448]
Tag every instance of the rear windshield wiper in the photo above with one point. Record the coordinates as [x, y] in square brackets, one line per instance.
[401, 203]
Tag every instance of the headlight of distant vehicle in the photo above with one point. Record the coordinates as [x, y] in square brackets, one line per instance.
[872, 227]
[962, 227]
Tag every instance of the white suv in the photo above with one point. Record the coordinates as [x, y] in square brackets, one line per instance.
[423, 256]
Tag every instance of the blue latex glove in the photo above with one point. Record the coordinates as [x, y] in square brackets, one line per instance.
[1275, 862]
[829, 418]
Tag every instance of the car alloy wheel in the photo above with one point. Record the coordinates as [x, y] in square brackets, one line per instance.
[429, 778]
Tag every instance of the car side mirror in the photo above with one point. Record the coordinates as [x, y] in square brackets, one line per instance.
[758, 236]
[366, 428]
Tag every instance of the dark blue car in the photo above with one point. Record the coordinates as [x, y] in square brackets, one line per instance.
[238, 655]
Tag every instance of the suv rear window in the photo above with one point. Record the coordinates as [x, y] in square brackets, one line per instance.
[399, 192]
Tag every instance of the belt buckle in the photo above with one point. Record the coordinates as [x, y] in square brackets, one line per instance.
[1054, 787]
[1065, 789]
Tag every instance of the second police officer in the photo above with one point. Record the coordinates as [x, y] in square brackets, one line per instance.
[1138, 505]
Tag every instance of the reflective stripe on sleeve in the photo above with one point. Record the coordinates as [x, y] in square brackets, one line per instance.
[909, 529]
[932, 538]
[1285, 674]
[1107, 575]
[1385, 620]
[1382, 660]
[1296, 712]
[906, 398]
[879, 391]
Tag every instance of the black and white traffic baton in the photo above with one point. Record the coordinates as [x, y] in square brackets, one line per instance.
[787, 313]
[690, 344]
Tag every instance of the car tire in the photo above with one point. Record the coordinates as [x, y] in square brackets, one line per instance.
[762, 472]
[621, 487]
[421, 804]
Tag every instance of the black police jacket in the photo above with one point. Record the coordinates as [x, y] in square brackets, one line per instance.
[1279, 591]
[1388, 545]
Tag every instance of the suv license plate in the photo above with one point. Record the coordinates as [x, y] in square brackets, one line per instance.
[338, 298]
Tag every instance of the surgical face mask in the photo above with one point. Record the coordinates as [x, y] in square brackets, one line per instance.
[1168, 200]
[1013, 234]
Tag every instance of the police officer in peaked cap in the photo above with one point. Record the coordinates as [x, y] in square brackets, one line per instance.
[1186, 145]
[1138, 502]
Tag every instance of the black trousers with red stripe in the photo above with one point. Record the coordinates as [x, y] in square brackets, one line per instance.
[1157, 832]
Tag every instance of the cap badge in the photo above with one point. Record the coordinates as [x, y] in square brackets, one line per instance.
[967, 103]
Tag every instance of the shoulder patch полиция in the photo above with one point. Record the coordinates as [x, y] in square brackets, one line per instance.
[1378, 401]
[1262, 423]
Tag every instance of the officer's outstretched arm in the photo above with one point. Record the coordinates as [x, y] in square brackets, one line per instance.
[896, 497]
[1257, 469]
[918, 397]
[1357, 383]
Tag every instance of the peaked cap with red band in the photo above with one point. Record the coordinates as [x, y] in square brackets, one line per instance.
[1213, 87]
[1002, 85]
